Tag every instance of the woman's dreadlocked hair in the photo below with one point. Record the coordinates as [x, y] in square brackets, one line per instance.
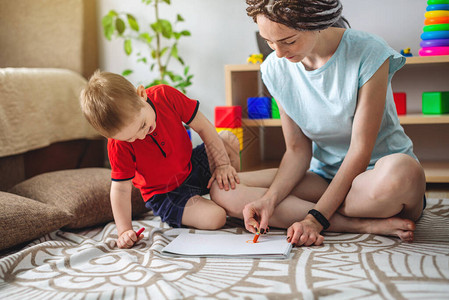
[303, 15]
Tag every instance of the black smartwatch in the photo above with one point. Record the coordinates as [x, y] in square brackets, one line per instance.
[320, 218]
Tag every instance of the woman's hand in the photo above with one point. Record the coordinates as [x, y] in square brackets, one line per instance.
[127, 239]
[226, 176]
[305, 233]
[256, 215]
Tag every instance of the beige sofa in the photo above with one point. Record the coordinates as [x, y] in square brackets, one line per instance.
[52, 162]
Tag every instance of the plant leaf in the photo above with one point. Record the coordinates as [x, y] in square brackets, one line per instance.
[166, 28]
[132, 22]
[177, 35]
[142, 59]
[127, 72]
[185, 33]
[128, 47]
[146, 37]
[120, 26]
[174, 51]
[108, 26]
[167, 1]
[179, 18]
[163, 51]
[113, 13]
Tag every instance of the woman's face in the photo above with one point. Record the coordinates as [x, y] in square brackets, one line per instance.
[292, 44]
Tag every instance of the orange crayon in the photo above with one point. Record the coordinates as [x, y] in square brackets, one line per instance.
[256, 237]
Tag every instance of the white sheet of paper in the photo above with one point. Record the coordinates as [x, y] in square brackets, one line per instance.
[228, 245]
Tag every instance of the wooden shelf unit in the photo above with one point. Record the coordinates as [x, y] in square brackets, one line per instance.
[429, 133]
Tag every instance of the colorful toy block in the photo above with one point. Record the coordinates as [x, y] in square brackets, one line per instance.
[259, 108]
[238, 132]
[274, 109]
[228, 116]
[435, 103]
[189, 132]
[400, 99]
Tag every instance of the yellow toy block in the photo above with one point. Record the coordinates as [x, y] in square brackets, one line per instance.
[238, 132]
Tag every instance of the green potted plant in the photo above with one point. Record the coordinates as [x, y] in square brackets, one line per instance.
[160, 39]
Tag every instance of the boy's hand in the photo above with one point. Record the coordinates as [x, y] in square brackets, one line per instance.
[225, 175]
[127, 239]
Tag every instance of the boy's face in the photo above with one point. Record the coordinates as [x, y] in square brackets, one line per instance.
[143, 124]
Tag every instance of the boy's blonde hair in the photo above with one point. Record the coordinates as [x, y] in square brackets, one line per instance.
[109, 102]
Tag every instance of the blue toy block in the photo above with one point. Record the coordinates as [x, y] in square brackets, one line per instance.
[259, 108]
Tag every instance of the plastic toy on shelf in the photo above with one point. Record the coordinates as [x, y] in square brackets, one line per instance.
[435, 36]
[406, 52]
[238, 132]
[400, 100]
[435, 103]
[274, 109]
[259, 107]
[228, 116]
[255, 58]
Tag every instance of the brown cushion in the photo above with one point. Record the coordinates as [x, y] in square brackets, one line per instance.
[82, 193]
[23, 219]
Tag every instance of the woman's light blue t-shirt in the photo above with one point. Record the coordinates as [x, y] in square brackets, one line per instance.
[322, 102]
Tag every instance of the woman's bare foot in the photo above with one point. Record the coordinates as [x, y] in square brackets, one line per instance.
[402, 228]
[394, 226]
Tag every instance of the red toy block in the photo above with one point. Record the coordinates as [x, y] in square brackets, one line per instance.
[400, 99]
[228, 116]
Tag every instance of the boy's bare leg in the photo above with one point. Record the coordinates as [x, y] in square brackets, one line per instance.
[203, 213]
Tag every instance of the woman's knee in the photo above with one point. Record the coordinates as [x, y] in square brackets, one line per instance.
[401, 174]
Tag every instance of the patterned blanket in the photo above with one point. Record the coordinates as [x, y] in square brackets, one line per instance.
[86, 265]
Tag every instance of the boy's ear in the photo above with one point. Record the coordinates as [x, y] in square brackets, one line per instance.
[141, 92]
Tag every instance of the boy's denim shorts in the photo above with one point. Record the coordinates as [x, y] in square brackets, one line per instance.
[170, 206]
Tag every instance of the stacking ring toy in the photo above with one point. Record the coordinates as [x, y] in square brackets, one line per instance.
[436, 27]
[434, 51]
[436, 14]
[440, 20]
[437, 7]
[433, 35]
[433, 2]
[435, 43]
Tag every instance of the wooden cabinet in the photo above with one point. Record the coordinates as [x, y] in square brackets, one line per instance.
[263, 143]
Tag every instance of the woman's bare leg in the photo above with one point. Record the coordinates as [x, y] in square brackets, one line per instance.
[395, 187]
[294, 208]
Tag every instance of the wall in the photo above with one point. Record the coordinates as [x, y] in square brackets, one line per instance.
[223, 34]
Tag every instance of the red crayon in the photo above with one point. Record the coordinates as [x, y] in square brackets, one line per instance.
[140, 231]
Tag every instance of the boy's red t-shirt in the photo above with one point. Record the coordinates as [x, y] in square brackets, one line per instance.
[161, 162]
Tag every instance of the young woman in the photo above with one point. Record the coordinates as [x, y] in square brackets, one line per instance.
[348, 165]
